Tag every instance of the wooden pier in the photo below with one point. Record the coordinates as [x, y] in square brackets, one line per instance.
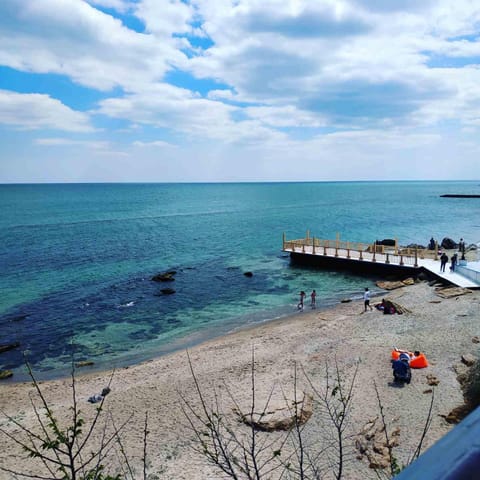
[370, 258]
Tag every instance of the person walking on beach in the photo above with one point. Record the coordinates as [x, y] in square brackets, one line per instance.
[454, 262]
[366, 299]
[313, 296]
[300, 303]
[443, 261]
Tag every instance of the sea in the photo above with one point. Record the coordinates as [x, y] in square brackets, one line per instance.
[76, 260]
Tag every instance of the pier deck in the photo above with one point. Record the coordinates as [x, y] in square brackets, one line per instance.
[371, 258]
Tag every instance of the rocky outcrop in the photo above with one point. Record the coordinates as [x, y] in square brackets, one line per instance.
[5, 374]
[283, 415]
[371, 443]
[84, 363]
[448, 244]
[449, 292]
[388, 242]
[167, 291]
[468, 359]
[392, 285]
[8, 346]
[164, 277]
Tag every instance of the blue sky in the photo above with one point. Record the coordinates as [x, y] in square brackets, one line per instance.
[239, 90]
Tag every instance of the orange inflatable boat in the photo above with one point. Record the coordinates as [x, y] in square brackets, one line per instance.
[416, 361]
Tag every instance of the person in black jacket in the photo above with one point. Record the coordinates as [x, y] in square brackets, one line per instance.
[401, 369]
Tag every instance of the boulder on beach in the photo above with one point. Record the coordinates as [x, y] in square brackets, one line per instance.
[448, 244]
[449, 292]
[389, 285]
[281, 415]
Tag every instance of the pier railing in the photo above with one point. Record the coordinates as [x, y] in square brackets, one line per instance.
[372, 252]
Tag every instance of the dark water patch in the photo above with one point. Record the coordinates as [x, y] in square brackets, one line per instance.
[106, 311]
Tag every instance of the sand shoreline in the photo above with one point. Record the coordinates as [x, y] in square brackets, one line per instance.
[443, 328]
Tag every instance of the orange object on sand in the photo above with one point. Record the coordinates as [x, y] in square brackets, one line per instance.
[396, 354]
[419, 361]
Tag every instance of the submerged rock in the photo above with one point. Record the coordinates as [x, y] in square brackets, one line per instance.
[248, 274]
[5, 374]
[167, 291]
[164, 277]
[84, 363]
[8, 346]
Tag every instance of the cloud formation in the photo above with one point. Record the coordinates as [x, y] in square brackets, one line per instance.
[270, 84]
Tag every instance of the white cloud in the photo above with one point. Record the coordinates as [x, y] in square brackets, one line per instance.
[383, 77]
[72, 38]
[155, 143]
[65, 142]
[181, 110]
[36, 111]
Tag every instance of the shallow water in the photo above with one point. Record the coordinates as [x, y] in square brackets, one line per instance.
[76, 260]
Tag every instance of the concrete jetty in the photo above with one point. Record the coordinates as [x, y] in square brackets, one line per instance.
[372, 258]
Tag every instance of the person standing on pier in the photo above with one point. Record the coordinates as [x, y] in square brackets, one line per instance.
[300, 303]
[366, 299]
[454, 262]
[461, 248]
[443, 261]
[313, 296]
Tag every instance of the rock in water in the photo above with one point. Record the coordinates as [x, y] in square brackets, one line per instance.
[5, 374]
[248, 274]
[164, 277]
[167, 291]
[8, 346]
[84, 363]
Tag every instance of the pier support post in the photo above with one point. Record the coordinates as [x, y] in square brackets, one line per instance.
[416, 257]
[303, 247]
[387, 260]
[401, 260]
[436, 250]
[361, 256]
[324, 249]
[284, 239]
[313, 246]
[374, 258]
[348, 250]
[396, 247]
[293, 246]
[336, 251]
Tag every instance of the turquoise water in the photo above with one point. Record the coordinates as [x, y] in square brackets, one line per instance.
[76, 259]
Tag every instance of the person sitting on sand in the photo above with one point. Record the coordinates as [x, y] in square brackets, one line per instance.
[401, 369]
[386, 307]
[417, 359]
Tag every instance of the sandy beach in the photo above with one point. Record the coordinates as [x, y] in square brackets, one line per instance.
[443, 328]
